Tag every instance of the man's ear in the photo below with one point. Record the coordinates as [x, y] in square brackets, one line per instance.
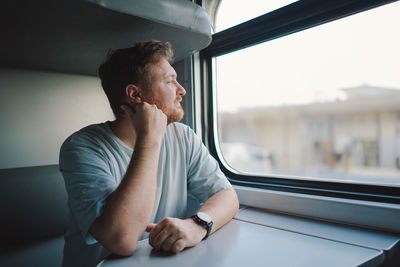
[133, 93]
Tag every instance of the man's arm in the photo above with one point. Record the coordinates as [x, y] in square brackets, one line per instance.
[128, 209]
[221, 207]
[172, 234]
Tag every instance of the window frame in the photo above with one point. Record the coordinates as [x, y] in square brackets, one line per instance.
[292, 18]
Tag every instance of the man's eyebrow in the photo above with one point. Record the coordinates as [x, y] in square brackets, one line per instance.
[173, 75]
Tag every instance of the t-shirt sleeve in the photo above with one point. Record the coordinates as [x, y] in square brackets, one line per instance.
[88, 181]
[205, 178]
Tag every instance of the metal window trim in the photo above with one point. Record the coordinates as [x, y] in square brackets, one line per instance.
[286, 20]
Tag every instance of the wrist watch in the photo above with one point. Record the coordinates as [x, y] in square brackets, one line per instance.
[203, 220]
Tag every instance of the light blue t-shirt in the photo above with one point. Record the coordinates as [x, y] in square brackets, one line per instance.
[93, 161]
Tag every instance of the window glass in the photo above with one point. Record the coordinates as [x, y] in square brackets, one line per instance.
[234, 12]
[321, 103]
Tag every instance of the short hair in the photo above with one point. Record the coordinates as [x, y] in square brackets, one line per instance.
[130, 66]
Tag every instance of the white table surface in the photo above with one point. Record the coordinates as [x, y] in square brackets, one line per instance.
[242, 243]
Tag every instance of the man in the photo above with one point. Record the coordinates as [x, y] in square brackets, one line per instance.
[136, 173]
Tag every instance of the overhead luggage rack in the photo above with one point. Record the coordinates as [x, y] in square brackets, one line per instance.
[74, 36]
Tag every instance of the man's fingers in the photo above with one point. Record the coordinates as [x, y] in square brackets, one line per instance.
[154, 233]
[178, 246]
[170, 234]
[163, 224]
[160, 238]
[150, 227]
[167, 244]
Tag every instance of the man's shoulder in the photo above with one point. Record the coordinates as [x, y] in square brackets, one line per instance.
[86, 135]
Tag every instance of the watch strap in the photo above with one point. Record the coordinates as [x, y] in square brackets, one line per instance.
[206, 225]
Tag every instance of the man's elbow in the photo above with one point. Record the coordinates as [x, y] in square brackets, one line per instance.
[125, 250]
[122, 246]
[118, 242]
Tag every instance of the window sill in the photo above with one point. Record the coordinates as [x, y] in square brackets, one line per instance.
[365, 214]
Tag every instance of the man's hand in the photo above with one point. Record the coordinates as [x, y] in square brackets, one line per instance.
[148, 120]
[173, 234]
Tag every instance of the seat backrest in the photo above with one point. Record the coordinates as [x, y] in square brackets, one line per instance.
[33, 205]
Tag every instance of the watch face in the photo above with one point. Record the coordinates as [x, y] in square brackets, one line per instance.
[204, 216]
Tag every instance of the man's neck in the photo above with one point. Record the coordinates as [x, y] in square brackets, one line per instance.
[123, 129]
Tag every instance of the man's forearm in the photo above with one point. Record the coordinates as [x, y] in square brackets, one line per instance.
[129, 207]
[221, 207]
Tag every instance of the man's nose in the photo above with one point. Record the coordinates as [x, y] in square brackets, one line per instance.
[180, 90]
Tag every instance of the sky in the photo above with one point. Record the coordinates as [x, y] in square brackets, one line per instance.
[308, 66]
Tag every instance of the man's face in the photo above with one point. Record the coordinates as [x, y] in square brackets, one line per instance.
[165, 92]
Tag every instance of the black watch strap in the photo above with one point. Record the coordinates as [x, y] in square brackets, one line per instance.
[206, 223]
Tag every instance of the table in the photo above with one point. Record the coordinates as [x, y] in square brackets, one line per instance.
[242, 243]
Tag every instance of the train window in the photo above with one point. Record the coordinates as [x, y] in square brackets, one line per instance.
[233, 12]
[319, 104]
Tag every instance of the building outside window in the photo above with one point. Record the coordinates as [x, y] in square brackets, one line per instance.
[323, 103]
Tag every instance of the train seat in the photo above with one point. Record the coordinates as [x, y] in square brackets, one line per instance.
[33, 207]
